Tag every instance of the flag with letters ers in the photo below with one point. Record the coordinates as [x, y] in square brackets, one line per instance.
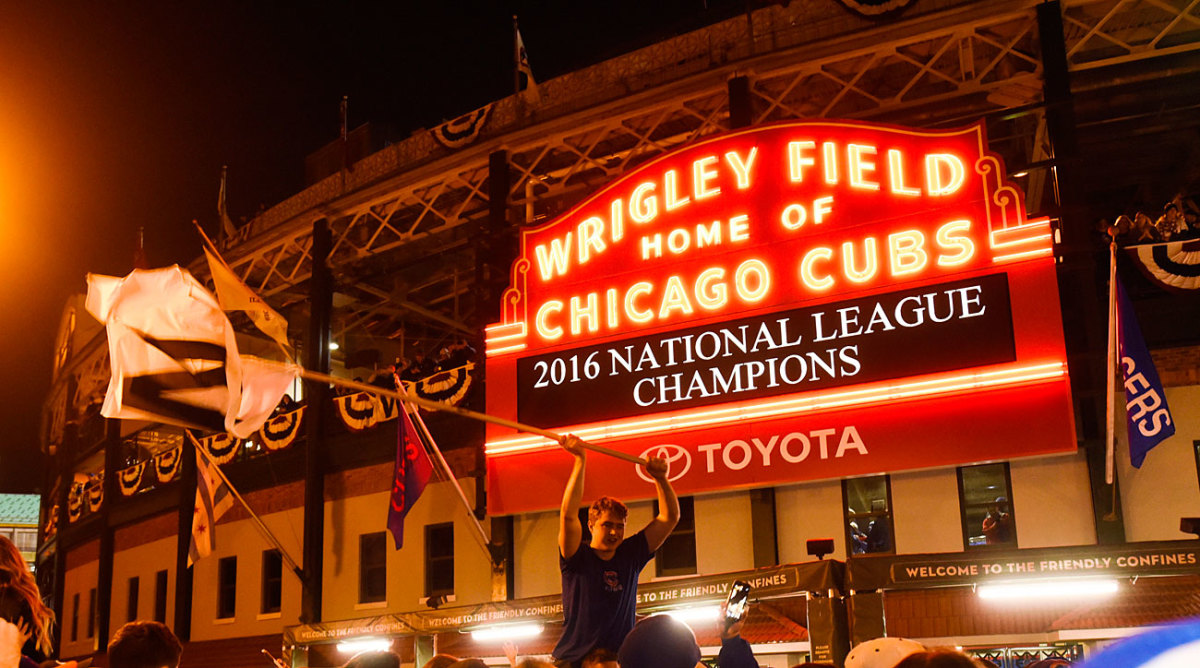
[1146, 412]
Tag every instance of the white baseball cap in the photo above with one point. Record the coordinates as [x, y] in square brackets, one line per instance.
[882, 652]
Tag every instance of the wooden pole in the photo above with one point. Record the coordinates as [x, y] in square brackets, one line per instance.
[463, 412]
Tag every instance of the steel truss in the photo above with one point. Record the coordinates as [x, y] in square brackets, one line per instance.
[404, 253]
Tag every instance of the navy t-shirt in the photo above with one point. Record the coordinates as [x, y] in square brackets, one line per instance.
[599, 597]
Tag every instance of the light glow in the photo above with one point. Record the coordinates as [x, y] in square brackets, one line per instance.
[365, 645]
[703, 171]
[700, 613]
[794, 404]
[808, 276]
[506, 632]
[492, 352]
[896, 174]
[1055, 590]
[937, 181]
[1023, 256]
[741, 168]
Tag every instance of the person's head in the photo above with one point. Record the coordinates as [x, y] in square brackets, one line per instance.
[606, 521]
[659, 641]
[440, 661]
[144, 645]
[20, 602]
[469, 663]
[938, 658]
[600, 658]
[882, 652]
[535, 663]
[374, 659]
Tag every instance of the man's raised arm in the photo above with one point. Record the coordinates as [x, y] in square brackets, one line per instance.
[570, 531]
[668, 506]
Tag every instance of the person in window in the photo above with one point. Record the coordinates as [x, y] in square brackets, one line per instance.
[858, 539]
[878, 537]
[600, 578]
[997, 524]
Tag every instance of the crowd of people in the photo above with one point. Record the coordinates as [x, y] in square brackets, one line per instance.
[1178, 221]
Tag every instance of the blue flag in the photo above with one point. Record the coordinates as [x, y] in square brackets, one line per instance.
[412, 472]
[1149, 418]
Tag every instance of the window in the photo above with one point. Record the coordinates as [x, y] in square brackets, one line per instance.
[677, 556]
[75, 617]
[439, 559]
[131, 606]
[372, 567]
[868, 504]
[983, 496]
[25, 539]
[160, 597]
[226, 587]
[91, 620]
[1196, 445]
[272, 581]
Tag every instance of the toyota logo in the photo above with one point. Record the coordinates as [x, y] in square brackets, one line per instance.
[679, 461]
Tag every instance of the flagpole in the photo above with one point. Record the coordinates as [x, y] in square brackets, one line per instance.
[261, 526]
[1111, 370]
[484, 541]
[463, 412]
[516, 57]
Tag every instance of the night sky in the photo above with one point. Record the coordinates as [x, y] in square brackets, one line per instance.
[116, 115]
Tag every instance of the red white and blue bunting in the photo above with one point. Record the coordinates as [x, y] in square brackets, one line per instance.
[130, 478]
[1174, 265]
[222, 447]
[875, 7]
[75, 503]
[463, 130]
[166, 464]
[363, 410]
[448, 386]
[95, 493]
[279, 432]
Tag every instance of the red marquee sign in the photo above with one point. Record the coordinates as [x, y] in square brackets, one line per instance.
[789, 302]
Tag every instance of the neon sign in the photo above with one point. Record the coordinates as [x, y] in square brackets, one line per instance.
[779, 265]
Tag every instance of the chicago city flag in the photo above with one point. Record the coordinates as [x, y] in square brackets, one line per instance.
[412, 472]
[213, 498]
[1146, 410]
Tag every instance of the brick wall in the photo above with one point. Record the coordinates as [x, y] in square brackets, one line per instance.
[1178, 366]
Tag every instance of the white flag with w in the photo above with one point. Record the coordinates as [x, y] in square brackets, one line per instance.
[174, 357]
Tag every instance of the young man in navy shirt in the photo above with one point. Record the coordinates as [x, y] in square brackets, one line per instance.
[599, 579]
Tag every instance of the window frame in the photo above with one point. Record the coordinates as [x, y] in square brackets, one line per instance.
[91, 618]
[75, 617]
[271, 596]
[678, 541]
[1196, 451]
[227, 588]
[888, 513]
[133, 590]
[365, 596]
[162, 580]
[963, 507]
[439, 564]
